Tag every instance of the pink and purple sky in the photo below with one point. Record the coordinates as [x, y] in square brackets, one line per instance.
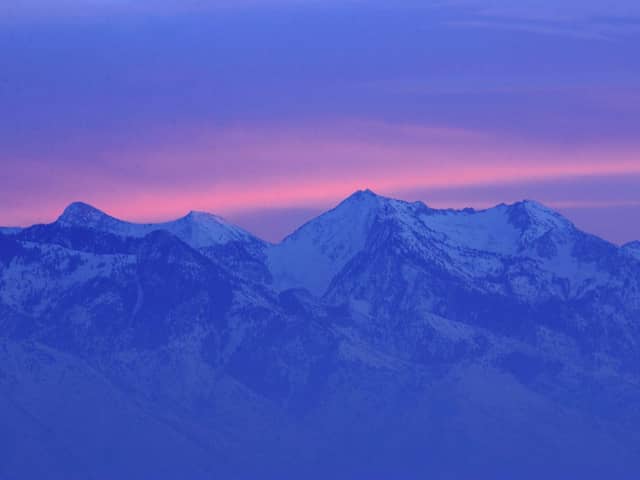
[269, 111]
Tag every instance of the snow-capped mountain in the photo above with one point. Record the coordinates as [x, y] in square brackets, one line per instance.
[468, 241]
[383, 339]
[522, 270]
[315, 253]
[197, 229]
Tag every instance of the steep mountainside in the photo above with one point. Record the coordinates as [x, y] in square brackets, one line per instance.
[383, 339]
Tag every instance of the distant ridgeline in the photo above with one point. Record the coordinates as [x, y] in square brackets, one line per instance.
[381, 340]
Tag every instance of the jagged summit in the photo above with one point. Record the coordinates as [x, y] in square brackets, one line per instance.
[82, 214]
[528, 214]
[531, 204]
[200, 215]
[197, 216]
[416, 320]
[533, 207]
[362, 197]
[364, 193]
[325, 245]
[78, 207]
[198, 229]
[202, 229]
[524, 212]
[356, 210]
[524, 215]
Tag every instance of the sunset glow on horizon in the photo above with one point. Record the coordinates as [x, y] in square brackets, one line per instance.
[269, 112]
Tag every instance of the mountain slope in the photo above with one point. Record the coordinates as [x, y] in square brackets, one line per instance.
[468, 240]
[315, 253]
[516, 269]
[198, 229]
[383, 339]
[632, 249]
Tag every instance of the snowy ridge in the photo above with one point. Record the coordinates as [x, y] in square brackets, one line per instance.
[383, 339]
[504, 229]
[315, 253]
[469, 243]
[198, 229]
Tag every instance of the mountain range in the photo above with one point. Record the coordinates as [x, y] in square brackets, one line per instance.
[383, 339]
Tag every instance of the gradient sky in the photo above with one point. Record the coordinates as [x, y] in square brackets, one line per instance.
[269, 111]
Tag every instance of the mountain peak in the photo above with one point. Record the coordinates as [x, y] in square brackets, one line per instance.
[367, 192]
[82, 214]
[323, 245]
[530, 203]
[531, 206]
[204, 229]
[530, 213]
[199, 216]
[196, 213]
[75, 207]
[366, 195]
[198, 229]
